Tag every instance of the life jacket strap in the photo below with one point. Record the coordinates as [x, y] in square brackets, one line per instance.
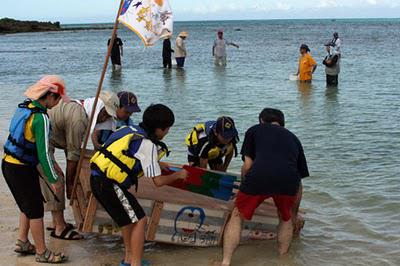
[26, 150]
[124, 168]
[34, 109]
[22, 160]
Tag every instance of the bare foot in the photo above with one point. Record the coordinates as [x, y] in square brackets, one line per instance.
[217, 263]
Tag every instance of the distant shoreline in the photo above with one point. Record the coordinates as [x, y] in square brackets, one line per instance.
[12, 26]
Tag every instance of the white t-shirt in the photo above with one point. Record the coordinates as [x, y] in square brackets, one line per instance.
[147, 154]
[338, 44]
[220, 47]
[109, 124]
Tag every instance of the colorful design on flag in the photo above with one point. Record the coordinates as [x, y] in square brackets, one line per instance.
[126, 5]
[151, 20]
[138, 4]
[214, 184]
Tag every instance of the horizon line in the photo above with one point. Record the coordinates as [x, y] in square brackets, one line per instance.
[256, 19]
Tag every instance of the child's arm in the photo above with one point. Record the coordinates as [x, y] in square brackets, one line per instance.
[248, 162]
[227, 162]
[95, 139]
[147, 154]
[163, 180]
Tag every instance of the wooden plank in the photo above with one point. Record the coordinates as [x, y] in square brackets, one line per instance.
[81, 200]
[90, 215]
[84, 176]
[154, 220]
[77, 215]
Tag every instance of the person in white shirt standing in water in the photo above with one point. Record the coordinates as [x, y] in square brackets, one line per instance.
[219, 49]
[336, 43]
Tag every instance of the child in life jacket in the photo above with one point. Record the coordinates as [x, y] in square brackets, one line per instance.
[131, 153]
[213, 143]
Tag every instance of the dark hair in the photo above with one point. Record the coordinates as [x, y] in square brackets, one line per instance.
[270, 115]
[54, 95]
[157, 116]
[305, 47]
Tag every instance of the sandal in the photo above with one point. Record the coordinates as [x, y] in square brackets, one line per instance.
[53, 228]
[24, 248]
[67, 234]
[50, 257]
[144, 263]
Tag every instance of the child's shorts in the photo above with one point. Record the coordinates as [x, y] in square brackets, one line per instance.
[23, 181]
[118, 202]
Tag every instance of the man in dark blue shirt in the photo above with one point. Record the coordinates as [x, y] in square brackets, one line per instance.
[274, 164]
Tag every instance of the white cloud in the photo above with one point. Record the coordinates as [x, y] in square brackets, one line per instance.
[283, 6]
[328, 3]
[372, 2]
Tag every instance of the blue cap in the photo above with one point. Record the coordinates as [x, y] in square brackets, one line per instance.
[128, 100]
[225, 126]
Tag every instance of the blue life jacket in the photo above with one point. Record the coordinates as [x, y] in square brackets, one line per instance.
[17, 145]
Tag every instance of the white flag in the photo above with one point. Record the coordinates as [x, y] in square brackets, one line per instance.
[151, 20]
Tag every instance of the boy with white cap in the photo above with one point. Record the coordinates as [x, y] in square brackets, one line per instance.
[112, 111]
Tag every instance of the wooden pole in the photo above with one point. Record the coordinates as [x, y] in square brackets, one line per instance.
[103, 73]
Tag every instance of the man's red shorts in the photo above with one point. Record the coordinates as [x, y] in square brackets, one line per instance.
[247, 204]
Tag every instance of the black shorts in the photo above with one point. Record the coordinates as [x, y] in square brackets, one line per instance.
[212, 163]
[118, 202]
[116, 60]
[23, 182]
[332, 80]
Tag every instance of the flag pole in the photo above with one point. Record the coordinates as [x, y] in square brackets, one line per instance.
[100, 85]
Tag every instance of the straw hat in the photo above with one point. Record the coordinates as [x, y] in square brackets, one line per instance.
[49, 83]
[111, 102]
[183, 34]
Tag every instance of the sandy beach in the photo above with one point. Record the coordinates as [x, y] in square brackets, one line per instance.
[108, 250]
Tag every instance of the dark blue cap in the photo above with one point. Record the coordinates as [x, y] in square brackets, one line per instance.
[225, 126]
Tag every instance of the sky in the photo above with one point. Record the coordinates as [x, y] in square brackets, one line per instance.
[100, 11]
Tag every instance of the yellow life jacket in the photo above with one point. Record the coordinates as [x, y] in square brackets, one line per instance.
[116, 162]
[204, 130]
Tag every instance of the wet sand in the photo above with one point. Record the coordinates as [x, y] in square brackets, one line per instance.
[108, 250]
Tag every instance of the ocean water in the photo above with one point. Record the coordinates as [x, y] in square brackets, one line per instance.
[351, 135]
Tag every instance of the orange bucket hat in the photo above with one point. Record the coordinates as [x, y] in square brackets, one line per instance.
[49, 83]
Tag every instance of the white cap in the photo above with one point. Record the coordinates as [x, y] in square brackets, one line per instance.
[111, 102]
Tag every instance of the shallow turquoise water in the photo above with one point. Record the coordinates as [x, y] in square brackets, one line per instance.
[351, 135]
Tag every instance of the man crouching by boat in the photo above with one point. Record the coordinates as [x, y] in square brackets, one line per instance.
[274, 164]
[130, 153]
[68, 122]
[209, 143]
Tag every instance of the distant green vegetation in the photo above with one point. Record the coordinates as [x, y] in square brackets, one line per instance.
[8, 25]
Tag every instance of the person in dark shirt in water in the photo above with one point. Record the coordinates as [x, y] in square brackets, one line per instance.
[273, 167]
[167, 51]
[116, 52]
